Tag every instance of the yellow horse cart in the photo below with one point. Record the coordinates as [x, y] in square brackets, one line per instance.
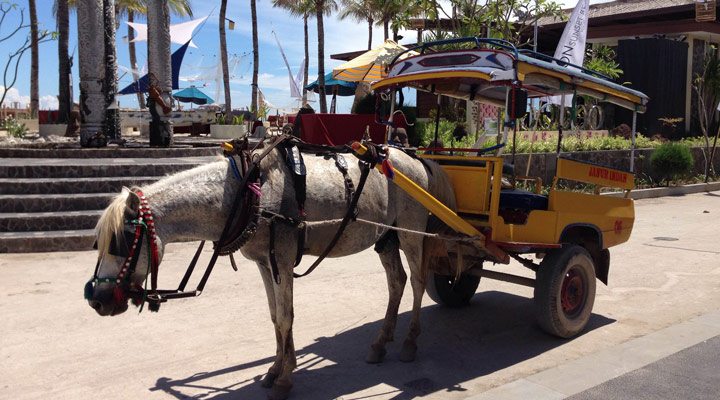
[569, 231]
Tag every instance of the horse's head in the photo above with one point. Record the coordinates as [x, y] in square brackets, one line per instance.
[128, 248]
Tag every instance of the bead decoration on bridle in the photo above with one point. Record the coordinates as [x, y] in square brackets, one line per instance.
[123, 288]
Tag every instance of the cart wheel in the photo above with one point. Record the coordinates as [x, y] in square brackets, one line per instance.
[445, 290]
[565, 291]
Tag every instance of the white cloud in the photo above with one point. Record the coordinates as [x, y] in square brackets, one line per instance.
[13, 96]
[49, 102]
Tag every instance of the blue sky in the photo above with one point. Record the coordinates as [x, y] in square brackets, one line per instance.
[340, 36]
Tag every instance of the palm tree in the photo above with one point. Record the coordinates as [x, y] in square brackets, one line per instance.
[131, 9]
[322, 7]
[179, 8]
[256, 58]
[224, 58]
[385, 11]
[63, 27]
[34, 79]
[302, 8]
[361, 11]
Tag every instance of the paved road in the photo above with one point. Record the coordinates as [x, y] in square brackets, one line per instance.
[688, 374]
[52, 345]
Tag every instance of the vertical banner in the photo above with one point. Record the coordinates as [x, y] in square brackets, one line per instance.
[571, 48]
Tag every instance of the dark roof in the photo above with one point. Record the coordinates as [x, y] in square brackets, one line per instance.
[622, 8]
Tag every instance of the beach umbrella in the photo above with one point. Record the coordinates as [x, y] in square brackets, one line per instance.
[370, 66]
[334, 86]
[193, 95]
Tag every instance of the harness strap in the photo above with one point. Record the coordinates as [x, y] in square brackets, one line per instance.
[349, 214]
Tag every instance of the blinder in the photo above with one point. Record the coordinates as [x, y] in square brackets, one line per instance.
[120, 247]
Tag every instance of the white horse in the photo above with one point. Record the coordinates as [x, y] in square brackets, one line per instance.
[194, 205]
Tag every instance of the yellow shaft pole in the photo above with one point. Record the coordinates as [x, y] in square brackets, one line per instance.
[433, 205]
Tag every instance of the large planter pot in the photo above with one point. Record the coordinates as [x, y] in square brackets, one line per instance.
[227, 131]
[52, 130]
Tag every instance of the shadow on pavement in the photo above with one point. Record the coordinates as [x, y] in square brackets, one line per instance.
[496, 332]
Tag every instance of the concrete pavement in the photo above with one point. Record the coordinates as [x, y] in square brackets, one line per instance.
[218, 345]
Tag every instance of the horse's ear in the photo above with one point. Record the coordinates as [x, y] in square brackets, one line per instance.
[132, 205]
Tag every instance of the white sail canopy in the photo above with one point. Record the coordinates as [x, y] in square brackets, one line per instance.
[179, 33]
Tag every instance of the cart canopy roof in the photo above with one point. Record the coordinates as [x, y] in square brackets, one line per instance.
[485, 70]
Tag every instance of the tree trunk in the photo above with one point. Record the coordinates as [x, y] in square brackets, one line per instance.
[319, 7]
[386, 28]
[370, 26]
[224, 58]
[307, 60]
[256, 58]
[63, 27]
[395, 33]
[34, 68]
[112, 113]
[160, 69]
[133, 58]
[92, 72]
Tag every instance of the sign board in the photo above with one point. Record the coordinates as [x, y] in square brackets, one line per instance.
[705, 10]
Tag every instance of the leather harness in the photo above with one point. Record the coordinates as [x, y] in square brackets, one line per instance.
[241, 226]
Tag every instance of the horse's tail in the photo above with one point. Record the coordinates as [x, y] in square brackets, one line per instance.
[435, 250]
[439, 184]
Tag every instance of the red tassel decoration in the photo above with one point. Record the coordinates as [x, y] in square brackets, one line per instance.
[118, 295]
[388, 169]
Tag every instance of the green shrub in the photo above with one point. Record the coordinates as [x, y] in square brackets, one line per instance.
[13, 127]
[671, 161]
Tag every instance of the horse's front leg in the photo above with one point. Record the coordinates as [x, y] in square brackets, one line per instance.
[273, 372]
[413, 250]
[284, 316]
[396, 278]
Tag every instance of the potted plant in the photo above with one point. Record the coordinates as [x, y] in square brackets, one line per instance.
[228, 127]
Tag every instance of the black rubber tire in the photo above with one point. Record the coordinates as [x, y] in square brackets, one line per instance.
[562, 274]
[444, 290]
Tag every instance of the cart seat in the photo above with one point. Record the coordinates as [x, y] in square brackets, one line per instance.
[517, 199]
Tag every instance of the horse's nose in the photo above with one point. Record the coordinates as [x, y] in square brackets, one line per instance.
[95, 304]
[100, 307]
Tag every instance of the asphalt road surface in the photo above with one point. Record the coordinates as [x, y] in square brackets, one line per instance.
[53, 345]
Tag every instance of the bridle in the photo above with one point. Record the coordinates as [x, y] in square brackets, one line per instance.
[144, 228]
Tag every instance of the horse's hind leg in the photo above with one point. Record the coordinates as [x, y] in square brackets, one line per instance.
[413, 249]
[274, 370]
[396, 278]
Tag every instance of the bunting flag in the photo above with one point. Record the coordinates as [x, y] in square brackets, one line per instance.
[179, 33]
[300, 75]
[571, 48]
[294, 87]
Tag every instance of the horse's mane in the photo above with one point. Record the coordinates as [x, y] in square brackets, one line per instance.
[111, 222]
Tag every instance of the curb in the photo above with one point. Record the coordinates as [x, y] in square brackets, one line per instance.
[668, 191]
[578, 375]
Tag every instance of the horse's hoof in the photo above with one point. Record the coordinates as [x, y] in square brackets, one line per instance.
[268, 380]
[279, 392]
[408, 351]
[376, 355]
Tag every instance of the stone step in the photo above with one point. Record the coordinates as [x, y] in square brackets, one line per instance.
[209, 149]
[48, 221]
[27, 203]
[71, 185]
[31, 242]
[96, 167]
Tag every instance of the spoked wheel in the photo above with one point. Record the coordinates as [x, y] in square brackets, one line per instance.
[565, 291]
[445, 290]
